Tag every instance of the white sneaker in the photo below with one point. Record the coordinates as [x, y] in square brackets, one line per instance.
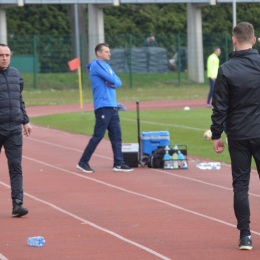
[122, 168]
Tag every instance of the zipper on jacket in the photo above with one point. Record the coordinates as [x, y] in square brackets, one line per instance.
[10, 106]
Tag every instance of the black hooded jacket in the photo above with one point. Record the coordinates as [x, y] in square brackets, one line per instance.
[236, 97]
[12, 108]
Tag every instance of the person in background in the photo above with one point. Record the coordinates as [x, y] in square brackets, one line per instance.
[212, 71]
[12, 117]
[236, 105]
[150, 42]
[104, 83]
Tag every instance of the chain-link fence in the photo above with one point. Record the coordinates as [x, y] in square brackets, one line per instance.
[138, 59]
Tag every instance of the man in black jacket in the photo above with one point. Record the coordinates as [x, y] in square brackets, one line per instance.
[236, 102]
[12, 117]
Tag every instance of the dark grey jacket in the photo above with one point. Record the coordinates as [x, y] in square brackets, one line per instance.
[236, 98]
[12, 108]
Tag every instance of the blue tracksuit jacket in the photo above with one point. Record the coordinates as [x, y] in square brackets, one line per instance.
[100, 72]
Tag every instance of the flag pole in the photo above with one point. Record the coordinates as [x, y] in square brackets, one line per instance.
[73, 65]
[80, 89]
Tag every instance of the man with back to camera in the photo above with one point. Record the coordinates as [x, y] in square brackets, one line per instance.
[104, 82]
[12, 117]
[236, 103]
[212, 71]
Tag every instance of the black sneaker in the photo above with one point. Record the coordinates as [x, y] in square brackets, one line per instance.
[85, 168]
[245, 243]
[122, 168]
[19, 211]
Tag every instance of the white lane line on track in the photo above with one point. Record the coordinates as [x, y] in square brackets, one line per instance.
[69, 148]
[138, 194]
[3, 257]
[155, 123]
[93, 225]
[203, 182]
[165, 172]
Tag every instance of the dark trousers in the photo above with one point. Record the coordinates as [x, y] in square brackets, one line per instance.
[13, 150]
[107, 118]
[211, 84]
[241, 152]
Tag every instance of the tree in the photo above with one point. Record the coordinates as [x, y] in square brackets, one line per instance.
[38, 19]
[149, 18]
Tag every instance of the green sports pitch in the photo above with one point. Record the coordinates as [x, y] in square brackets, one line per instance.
[185, 127]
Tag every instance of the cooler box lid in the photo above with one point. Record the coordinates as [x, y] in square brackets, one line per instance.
[128, 148]
[155, 136]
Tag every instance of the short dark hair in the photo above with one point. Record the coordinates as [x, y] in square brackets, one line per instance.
[3, 45]
[100, 46]
[215, 48]
[244, 32]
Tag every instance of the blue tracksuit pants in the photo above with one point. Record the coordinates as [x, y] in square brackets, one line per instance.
[107, 118]
[211, 90]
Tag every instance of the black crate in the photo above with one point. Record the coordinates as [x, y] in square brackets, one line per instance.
[131, 158]
[183, 149]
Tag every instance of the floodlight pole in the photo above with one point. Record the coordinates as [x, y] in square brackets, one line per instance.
[76, 21]
[234, 14]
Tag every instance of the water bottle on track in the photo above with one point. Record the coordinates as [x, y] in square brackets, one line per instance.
[36, 241]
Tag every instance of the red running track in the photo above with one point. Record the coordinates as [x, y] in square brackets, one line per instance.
[146, 214]
[130, 105]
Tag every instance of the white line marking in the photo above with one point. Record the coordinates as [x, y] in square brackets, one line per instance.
[138, 194]
[203, 182]
[53, 129]
[93, 225]
[165, 172]
[3, 257]
[69, 148]
[155, 123]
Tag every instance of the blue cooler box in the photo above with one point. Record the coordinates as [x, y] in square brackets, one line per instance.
[151, 140]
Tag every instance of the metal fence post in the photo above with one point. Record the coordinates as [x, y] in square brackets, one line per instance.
[179, 58]
[82, 60]
[226, 45]
[131, 71]
[35, 65]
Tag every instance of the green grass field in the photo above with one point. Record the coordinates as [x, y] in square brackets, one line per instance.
[185, 127]
[62, 88]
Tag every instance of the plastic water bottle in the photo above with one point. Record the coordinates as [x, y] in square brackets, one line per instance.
[209, 166]
[214, 165]
[167, 158]
[202, 166]
[36, 241]
[182, 160]
[175, 157]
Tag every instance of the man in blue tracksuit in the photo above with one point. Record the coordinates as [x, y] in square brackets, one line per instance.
[104, 82]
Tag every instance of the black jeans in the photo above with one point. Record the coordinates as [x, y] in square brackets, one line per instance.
[107, 118]
[241, 152]
[13, 150]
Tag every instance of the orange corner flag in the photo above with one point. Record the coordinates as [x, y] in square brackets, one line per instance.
[74, 64]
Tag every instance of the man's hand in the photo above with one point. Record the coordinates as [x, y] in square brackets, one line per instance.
[27, 129]
[218, 146]
[111, 86]
[258, 39]
[213, 79]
